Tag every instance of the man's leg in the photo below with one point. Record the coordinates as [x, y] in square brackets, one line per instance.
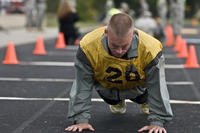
[142, 101]
[111, 97]
[141, 98]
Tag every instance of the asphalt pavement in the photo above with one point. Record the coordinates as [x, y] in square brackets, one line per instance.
[34, 94]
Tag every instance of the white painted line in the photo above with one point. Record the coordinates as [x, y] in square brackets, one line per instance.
[10, 79]
[72, 47]
[184, 102]
[49, 80]
[190, 31]
[169, 56]
[180, 83]
[169, 66]
[33, 99]
[43, 63]
[93, 100]
[192, 40]
[36, 79]
[71, 80]
[70, 64]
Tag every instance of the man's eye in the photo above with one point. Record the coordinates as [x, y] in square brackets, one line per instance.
[114, 47]
[125, 47]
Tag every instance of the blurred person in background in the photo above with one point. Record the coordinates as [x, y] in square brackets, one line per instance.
[110, 10]
[177, 15]
[108, 5]
[162, 12]
[67, 17]
[161, 20]
[143, 6]
[41, 8]
[3, 5]
[124, 7]
[147, 23]
[31, 14]
[150, 25]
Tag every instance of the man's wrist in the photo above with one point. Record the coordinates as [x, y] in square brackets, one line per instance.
[81, 121]
[157, 123]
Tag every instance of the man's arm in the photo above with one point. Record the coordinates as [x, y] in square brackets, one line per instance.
[81, 91]
[158, 97]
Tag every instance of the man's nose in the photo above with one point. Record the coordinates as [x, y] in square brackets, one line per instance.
[119, 50]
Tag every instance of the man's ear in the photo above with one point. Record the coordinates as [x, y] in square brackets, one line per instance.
[106, 31]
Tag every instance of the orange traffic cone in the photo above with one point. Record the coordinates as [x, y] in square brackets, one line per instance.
[178, 43]
[10, 57]
[183, 53]
[39, 47]
[169, 35]
[192, 61]
[60, 44]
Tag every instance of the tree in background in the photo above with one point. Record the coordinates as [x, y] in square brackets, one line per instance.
[52, 6]
[91, 10]
[86, 9]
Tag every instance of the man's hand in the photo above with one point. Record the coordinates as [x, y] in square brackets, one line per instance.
[152, 129]
[79, 127]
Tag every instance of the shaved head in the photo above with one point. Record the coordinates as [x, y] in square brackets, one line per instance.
[119, 34]
[120, 24]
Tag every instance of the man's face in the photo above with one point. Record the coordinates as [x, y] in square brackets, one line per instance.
[119, 45]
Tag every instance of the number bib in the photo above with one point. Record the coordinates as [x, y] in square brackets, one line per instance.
[119, 73]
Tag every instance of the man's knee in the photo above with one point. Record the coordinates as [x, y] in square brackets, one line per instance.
[112, 100]
[141, 98]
